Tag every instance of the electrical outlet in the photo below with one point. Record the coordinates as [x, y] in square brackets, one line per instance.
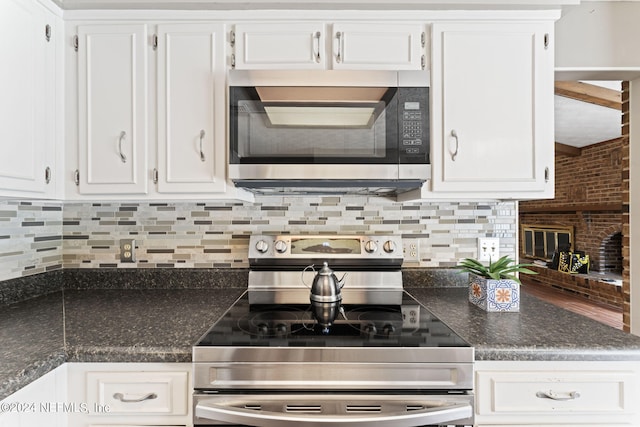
[488, 248]
[411, 250]
[127, 250]
[410, 316]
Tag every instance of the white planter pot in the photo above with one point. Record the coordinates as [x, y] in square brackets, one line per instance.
[494, 295]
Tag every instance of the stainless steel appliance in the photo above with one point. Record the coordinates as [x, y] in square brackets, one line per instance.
[385, 361]
[329, 131]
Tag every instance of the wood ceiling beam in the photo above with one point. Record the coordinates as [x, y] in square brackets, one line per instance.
[568, 150]
[593, 94]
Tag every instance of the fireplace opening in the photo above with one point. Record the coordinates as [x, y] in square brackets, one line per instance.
[611, 254]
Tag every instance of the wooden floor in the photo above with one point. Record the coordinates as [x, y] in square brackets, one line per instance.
[600, 312]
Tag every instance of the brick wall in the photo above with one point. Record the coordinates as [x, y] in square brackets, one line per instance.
[593, 178]
[577, 284]
[626, 249]
[599, 176]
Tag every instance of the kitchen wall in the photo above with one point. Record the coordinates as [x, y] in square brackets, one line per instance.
[35, 236]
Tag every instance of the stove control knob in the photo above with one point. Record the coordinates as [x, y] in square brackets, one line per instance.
[389, 246]
[370, 246]
[281, 246]
[262, 246]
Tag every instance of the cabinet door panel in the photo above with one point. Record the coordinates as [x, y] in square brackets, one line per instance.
[22, 89]
[190, 93]
[493, 124]
[113, 109]
[377, 46]
[279, 46]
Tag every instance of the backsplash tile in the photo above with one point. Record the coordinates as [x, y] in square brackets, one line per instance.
[40, 236]
[30, 237]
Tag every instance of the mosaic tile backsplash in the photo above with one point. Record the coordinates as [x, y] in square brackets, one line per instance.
[40, 236]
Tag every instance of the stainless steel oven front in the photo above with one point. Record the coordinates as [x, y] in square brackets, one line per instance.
[298, 387]
[385, 360]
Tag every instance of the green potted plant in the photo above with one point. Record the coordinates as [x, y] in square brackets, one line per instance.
[495, 287]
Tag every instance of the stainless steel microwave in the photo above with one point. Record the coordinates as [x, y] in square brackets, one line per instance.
[328, 130]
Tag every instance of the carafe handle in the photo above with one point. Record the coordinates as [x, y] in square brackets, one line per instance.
[304, 271]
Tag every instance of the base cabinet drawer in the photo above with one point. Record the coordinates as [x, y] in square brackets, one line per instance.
[138, 393]
[130, 394]
[557, 393]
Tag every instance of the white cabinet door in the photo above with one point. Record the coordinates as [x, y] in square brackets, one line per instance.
[378, 46]
[191, 125]
[112, 92]
[492, 94]
[27, 103]
[353, 46]
[280, 45]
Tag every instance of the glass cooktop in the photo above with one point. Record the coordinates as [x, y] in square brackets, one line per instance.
[406, 325]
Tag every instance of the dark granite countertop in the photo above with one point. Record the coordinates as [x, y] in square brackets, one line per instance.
[540, 331]
[161, 325]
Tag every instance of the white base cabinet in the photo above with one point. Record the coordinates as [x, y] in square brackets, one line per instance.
[104, 394]
[41, 403]
[557, 393]
[126, 394]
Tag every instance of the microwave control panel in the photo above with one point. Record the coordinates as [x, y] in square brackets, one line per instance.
[413, 109]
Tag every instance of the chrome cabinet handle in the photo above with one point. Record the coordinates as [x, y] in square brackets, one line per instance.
[201, 138]
[47, 175]
[317, 37]
[339, 53]
[454, 134]
[573, 395]
[121, 398]
[123, 135]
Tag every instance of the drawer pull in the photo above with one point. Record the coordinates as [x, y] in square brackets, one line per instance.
[573, 395]
[121, 398]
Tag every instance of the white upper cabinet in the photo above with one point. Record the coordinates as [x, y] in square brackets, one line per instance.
[276, 46]
[378, 46]
[492, 97]
[191, 118]
[27, 102]
[319, 46]
[112, 107]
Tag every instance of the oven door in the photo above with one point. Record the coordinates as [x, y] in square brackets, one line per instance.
[334, 409]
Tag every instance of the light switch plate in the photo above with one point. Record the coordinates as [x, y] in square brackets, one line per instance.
[488, 249]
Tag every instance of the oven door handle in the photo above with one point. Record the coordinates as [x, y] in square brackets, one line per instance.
[243, 411]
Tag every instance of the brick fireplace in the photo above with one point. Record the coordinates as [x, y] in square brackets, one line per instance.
[590, 196]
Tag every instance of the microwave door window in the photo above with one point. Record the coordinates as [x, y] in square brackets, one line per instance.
[279, 133]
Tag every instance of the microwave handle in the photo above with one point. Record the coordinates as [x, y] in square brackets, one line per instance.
[440, 413]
